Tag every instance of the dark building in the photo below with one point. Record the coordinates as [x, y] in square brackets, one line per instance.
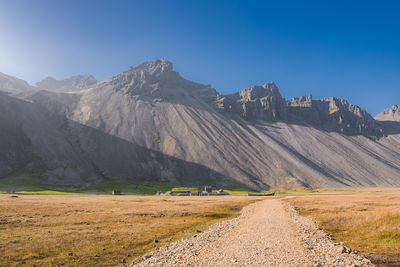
[208, 188]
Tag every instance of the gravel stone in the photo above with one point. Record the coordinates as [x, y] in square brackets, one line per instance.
[267, 233]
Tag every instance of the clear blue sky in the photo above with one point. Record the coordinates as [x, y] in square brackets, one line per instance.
[348, 49]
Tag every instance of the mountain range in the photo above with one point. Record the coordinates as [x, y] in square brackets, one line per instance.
[149, 123]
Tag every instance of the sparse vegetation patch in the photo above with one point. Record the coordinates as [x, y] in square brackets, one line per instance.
[367, 220]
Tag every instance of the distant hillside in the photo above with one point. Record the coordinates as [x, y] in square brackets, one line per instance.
[71, 84]
[11, 84]
[15, 86]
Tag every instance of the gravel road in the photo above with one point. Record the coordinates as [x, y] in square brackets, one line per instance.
[267, 233]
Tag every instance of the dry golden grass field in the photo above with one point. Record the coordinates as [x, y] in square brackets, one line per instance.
[101, 230]
[367, 220]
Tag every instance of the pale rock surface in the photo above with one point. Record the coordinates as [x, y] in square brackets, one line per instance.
[255, 103]
[333, 114]
[390, 114]
[71, 84]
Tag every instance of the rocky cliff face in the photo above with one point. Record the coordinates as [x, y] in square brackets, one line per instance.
[71, 84]
[157, 81]
[303, 109]
[390, 114]
[150, 123]
[255, 103]
[333, 114]
[339, 115]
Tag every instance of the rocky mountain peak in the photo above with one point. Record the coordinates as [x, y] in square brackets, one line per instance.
[390, 114]
[157, 81]
[155, 67]
[302, 101]
[256, 91]
[271, 86]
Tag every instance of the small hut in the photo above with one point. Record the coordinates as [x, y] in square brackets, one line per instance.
[221, 192]
[116, 192]
[208, 188]
[181, 193]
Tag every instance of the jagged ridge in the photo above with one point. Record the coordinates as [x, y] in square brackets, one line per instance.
[150, 123]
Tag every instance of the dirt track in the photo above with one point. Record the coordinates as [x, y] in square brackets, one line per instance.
[267, 233]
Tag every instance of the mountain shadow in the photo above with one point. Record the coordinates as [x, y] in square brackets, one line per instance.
[74, 154]
[113, 157]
